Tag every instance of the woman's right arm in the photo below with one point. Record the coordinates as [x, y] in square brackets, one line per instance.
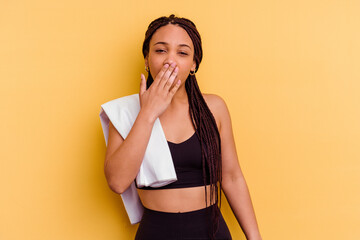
[124, 156]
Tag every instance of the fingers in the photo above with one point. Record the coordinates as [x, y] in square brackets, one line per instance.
[175, 88]
[167, 74]
[165, 78]
[161, 74]
[171, 79]
[142, 84]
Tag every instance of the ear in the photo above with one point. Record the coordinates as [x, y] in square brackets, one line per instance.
[193, 67]
[146, 61]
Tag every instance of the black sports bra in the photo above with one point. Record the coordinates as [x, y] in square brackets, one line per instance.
[188, 164]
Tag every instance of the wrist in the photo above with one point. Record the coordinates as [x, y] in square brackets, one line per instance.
[147, 116]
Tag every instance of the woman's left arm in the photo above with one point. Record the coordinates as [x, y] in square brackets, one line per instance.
[233, 181]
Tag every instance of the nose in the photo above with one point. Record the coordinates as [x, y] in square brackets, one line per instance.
[169, 59]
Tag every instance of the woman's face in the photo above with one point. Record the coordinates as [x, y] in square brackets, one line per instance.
[169, 44]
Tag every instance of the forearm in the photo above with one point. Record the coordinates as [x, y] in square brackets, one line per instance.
[122, 166]
[238, 196]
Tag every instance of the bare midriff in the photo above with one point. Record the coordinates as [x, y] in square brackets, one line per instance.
[176, 199]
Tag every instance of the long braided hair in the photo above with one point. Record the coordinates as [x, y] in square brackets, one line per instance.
[201, 116]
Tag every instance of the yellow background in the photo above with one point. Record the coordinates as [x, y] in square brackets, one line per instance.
[288, 70]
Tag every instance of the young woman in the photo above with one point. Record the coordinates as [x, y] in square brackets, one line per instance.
[198, 130]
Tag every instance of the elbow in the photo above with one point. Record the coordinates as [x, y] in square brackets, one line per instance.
[113, 183]
[229, 180]
[117, 185]
[117, 188]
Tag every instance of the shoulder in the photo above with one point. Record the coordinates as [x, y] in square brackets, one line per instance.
[214, 100]
[129, 101]
[217, 106]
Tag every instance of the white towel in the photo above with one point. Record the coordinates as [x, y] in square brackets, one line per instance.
[157, 168]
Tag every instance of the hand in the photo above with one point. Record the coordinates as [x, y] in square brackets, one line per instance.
[158, 96]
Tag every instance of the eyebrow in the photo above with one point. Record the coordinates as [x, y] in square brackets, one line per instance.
[165, 43]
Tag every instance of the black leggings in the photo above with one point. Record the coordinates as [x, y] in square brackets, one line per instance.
[187, 225]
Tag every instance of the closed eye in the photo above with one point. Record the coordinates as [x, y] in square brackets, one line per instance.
[162, 50]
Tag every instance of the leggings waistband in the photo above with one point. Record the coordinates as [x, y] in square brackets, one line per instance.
[199, 211]
[195, 224]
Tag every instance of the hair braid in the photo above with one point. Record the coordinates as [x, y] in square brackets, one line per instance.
[208, 134]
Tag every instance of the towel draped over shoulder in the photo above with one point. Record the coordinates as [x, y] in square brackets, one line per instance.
[157, 168]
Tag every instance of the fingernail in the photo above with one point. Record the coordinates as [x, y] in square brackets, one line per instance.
[166, 65]
[173, 64]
